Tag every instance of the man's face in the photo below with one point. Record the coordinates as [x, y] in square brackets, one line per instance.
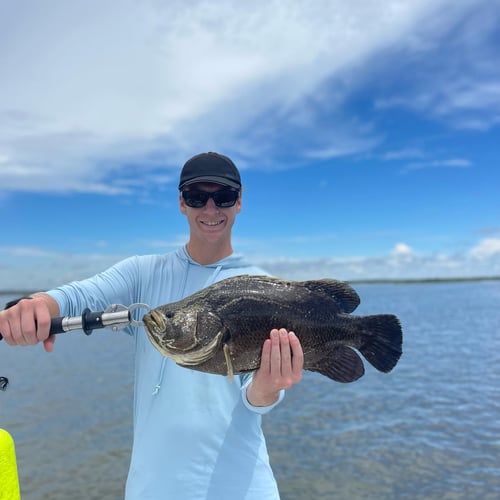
[210, 222]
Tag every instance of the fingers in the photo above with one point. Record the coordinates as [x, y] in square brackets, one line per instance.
[265, 360]
[286, 358]
[297, 356]
[42, 316]
[282, 365]
[26, 333]
[48, 344]
[275, 367]
[5, 328]
[26, 323]
[10, 326]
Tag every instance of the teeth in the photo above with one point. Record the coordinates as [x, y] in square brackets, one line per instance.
[213, 223]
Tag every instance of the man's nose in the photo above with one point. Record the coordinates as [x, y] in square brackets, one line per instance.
[211, 206]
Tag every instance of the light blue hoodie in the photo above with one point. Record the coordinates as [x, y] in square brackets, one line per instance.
[195, 435]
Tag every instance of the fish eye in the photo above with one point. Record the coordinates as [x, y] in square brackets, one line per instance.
[169, 315]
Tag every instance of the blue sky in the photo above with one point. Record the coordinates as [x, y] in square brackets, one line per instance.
[366, 132]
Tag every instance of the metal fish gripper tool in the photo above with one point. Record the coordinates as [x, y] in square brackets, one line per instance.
[116, 317]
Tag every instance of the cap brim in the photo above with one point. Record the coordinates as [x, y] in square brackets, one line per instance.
[213, 179]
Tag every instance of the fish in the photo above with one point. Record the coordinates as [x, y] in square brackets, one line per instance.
[222, 328]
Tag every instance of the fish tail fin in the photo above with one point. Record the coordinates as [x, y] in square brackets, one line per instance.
[383, 343]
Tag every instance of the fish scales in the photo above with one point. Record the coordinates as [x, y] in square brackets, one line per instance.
[221, 329]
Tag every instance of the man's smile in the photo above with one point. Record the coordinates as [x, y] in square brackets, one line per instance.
[212, 223]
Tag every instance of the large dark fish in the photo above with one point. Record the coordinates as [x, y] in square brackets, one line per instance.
[221, 329]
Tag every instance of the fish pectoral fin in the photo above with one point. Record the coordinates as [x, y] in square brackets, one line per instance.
[340, 363]
[229, 362]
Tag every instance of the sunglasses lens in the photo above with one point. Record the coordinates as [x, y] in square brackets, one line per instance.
[225, 198]
[197, 199]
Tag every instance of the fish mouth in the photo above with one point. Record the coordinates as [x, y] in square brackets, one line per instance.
[154, 322]
[189, 355]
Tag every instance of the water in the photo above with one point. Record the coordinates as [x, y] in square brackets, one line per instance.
[430, 429]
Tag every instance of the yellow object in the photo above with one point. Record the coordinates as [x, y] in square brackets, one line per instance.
[9, 482]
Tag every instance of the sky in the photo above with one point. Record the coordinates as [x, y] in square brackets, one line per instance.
[367, 133]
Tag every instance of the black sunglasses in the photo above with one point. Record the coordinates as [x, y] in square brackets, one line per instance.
[223, 198]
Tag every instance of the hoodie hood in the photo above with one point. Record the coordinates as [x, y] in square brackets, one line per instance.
[231, 263]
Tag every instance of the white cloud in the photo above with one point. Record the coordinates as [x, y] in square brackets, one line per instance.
[25, 268]
[385, 267]
[90, 87]
[347, 146]
[452, 67]
[486, 248]
[402, 249]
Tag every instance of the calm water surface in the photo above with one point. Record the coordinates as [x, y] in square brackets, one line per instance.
[430, 429]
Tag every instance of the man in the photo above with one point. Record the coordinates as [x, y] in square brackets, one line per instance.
[196, 436]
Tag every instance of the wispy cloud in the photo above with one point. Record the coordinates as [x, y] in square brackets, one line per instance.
[85, 93]
[404, 154]
[490, 231]
[423, 160]
[452, 68]
[348, 146]
[450, 163]
[27, 251]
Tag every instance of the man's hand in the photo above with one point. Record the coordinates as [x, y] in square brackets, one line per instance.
[281, 366]
[28, 322]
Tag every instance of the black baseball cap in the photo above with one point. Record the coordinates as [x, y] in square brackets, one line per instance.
[210, 167]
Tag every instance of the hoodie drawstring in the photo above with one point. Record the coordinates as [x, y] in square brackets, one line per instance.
[211, 279]
[162, 371]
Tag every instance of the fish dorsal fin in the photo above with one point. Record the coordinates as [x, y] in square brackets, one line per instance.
[344, 295]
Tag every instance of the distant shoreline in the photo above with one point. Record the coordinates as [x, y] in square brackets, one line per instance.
[376, 281]
[410, 281]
